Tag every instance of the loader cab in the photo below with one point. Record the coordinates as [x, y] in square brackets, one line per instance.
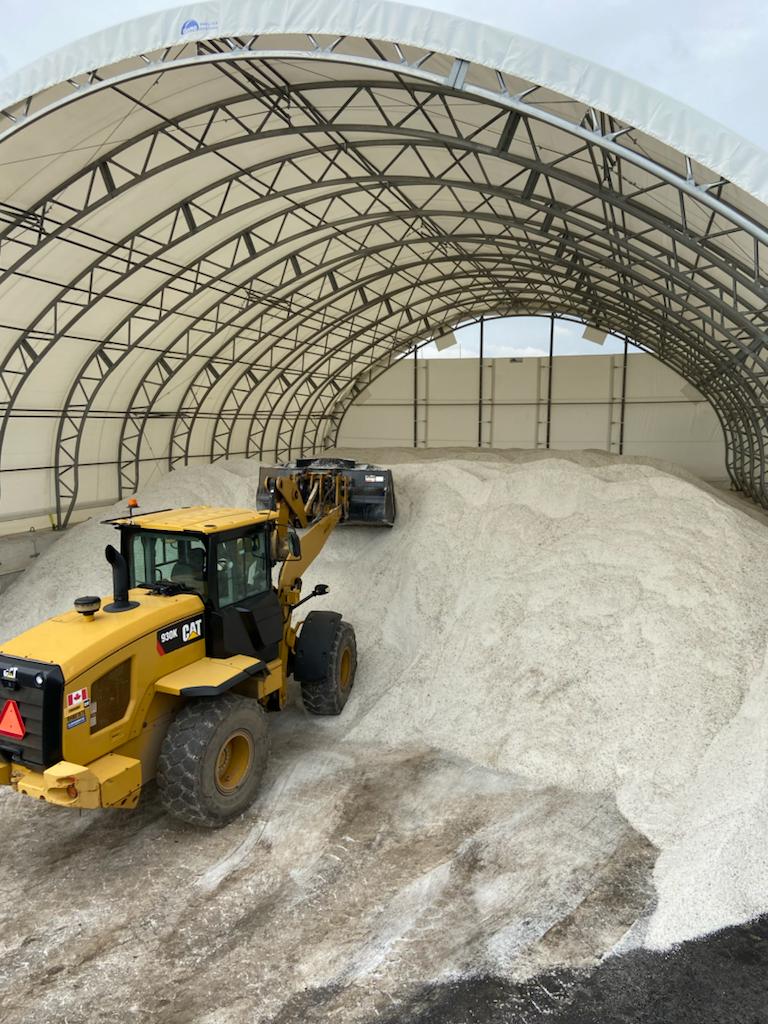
[246, 617]
[230, 570]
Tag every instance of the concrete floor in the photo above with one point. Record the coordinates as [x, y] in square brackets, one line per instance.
[364, 886]
[357, 877]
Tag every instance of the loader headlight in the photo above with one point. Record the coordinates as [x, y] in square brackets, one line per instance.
[39, 680]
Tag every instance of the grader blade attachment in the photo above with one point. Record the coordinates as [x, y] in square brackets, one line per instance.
[366, 493]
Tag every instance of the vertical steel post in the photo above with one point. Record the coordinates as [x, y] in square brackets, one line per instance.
[549, 379]
[623, 398]
[415, 397]
[480, 387]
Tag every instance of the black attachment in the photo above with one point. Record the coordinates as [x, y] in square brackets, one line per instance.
[38, 689]
[321, 589]
[294, 543]
[250, 627]
[87, 606]
[119, 582]
[371, 489]
[253, 628]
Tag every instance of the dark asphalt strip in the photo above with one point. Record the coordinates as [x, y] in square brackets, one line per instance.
[720, 979]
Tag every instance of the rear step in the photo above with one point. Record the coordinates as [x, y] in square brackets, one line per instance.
[371, 489]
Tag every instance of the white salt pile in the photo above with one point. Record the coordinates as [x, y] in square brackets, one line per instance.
[586, 621]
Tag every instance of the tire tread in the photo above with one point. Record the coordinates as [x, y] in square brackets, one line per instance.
[325, 697]
[182, 753]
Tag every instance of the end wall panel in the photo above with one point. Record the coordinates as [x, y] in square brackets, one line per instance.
[659, 420]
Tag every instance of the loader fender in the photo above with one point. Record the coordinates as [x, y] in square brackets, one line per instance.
[313, 646]
[210, 677]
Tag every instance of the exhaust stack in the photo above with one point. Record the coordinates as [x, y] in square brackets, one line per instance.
[119, 582]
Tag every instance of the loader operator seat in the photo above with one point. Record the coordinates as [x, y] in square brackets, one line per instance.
[191, 573]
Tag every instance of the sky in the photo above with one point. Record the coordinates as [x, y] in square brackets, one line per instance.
[521, 337]
[710, 55]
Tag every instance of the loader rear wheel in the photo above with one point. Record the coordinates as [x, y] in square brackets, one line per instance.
[212, 760]
[329, 694]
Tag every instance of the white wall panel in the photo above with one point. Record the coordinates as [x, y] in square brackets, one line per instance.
[26, 493]
[514, 426]
[581, 378]
[29, 441]
[684, 432]
[449, 380]
[396, 385]
[372, 426]
[647, 378]
[451, 426]
[516, 380]
[660, 421]
[580, 426]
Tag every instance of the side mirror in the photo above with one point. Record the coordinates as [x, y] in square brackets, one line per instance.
[294, 543]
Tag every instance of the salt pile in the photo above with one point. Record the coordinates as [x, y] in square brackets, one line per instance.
[581, 620]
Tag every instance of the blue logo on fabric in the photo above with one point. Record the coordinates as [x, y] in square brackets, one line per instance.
[190, 26]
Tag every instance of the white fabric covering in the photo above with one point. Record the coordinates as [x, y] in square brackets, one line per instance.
[661, 117]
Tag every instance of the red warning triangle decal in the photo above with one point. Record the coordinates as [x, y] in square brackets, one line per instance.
[11, 723]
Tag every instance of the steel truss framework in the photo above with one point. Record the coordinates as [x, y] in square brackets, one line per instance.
[238, 270]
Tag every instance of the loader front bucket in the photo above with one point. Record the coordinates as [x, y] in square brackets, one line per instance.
[370, 489]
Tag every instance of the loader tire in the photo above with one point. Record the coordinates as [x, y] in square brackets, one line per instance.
[212, 760]
[329, 694]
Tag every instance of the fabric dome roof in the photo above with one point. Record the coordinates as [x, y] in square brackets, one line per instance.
[219, 223]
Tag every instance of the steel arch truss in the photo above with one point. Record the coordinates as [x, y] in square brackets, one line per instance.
[234, 275]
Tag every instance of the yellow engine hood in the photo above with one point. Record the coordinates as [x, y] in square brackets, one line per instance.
[76, 642]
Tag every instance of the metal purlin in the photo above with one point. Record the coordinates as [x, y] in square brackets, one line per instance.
[576, 303]
[729, 410]
[732, 401]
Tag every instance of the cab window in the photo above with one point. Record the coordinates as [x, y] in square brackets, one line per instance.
[172, 557]
[242, 567]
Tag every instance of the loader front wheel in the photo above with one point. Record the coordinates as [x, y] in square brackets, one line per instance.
[212, 760]
[328, 694]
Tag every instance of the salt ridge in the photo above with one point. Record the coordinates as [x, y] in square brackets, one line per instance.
[583, 620]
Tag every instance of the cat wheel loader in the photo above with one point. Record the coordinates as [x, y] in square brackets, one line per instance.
[173, 677]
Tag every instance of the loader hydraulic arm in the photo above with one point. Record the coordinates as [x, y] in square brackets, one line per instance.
[327, 500]
[312, 543]
[290, 504]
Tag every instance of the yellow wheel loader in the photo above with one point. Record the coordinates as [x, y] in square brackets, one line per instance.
[172, 678]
